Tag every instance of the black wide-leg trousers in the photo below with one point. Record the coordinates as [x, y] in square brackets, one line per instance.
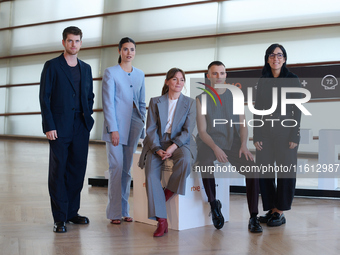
[275, 144]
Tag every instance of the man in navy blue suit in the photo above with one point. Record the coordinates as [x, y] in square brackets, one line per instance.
[66, 101]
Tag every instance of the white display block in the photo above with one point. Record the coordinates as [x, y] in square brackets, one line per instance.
[240, 181]
[184, 212]
[306, 136]
[329, 141]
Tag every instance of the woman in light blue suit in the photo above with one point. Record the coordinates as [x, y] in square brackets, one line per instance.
[124, 114]
[171, 119]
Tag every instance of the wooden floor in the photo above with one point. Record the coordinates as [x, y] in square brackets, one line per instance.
[313, 225]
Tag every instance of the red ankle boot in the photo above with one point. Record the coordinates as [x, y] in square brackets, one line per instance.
[162, 227]
[168, 194]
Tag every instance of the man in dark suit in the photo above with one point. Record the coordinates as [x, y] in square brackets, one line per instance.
[66, 100]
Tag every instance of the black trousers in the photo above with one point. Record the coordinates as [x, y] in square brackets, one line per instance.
[67, 166]
[275, 144]
[206, 157]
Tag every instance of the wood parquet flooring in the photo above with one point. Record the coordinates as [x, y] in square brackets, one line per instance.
[26, 221]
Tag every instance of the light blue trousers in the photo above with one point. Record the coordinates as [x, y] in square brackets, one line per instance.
[120, 162]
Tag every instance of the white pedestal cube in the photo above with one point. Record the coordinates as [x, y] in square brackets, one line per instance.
[329, 141]
[184, 212]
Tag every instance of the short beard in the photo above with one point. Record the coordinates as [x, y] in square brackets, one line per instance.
[71, 52]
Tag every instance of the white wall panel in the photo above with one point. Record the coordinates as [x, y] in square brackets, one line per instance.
[36, 11]
[5, 9]
[246, 15]
[3, 71]
[161, 24]
[187, 55]
[3, 101]
[22, 73]
[97, 90]
[27, 69]
[302, 46]
[153, 87]
[5, 40]
[23, 99]
[2, 125]
[119, 5]
[97, 130]
[27, 125]
[49, 37]
[93, 58]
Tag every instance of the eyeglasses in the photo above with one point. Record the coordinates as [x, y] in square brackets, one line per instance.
[279, 55]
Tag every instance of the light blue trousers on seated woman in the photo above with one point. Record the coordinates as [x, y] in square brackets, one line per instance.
[120, 162]
[153, 174]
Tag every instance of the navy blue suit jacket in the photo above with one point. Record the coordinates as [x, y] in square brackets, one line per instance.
[57, 96]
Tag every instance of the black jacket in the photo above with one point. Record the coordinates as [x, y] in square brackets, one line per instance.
[264, 101]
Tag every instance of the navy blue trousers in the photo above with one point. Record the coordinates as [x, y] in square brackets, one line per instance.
[67, 166]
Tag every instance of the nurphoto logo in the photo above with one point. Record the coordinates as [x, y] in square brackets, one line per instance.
[204, 97]
[238, 104]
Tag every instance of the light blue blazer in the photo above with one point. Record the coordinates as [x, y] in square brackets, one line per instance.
[182, 127]
[119, 90]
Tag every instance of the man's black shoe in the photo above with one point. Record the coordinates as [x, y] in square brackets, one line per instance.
[79, 220]
[59, 227]
[217, 217]
[276, 220]
[254, 225]
[266, 217]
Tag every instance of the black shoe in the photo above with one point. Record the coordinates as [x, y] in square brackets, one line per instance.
[217, 216]
[59, 227]
[266, 217]
[276, 220]
[79, 220]
[254, 225]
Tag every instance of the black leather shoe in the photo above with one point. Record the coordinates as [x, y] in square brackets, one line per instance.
[254, 225]
[59, 227]
[276, 220]
[217, 216]
[266, 217]
[79, 220]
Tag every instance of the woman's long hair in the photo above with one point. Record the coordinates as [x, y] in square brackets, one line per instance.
[171, 74]
[122, 41]
[266, 70]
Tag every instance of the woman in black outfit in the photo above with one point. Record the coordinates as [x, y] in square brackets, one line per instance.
[277, 141]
